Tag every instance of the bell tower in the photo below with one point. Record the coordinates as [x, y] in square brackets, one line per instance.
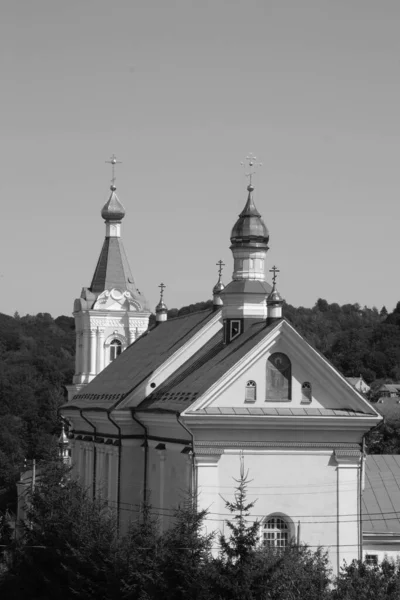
[112, 312]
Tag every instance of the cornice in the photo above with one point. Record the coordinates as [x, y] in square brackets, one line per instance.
[212, 446]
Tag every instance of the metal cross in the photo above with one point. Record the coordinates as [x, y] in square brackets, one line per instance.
[113, 161]
[274, 270]
[253, 166]
[220, 264]
[162, 288]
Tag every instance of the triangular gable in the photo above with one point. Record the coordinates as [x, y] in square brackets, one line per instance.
[330, 390]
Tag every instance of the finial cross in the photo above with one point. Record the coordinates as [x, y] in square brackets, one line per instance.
[162, 288]
[113, 161]
[274, 270]
[220, 264]
[252, 164]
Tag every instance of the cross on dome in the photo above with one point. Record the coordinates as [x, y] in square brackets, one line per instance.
[253, 165]
[113, 161]
[162, 288]
[274, 270]
[220, 264]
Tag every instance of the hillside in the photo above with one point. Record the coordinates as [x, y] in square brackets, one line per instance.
[37, 361]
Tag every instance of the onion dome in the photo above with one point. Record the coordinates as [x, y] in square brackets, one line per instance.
[113, 209]
[274, 297]
[63, 440]
[218, 287]
[250, 229]
[161, 308]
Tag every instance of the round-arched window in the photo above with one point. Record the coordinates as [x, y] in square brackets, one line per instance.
[279, 377]
[115, 349]
[251, 391]
[275, 532]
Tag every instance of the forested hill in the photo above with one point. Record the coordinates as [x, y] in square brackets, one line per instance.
[37, 360]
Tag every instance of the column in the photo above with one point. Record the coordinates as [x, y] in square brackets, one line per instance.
[208, 486]
[163, 456]
[78, 363]
[85, 352]
[100, 349]
[132, 335]
[112, 476]
[93, 351]
[348, 503]
[100, 479]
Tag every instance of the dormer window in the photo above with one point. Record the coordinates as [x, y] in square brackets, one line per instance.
[115, 349]
[234, 329]
[251, 391]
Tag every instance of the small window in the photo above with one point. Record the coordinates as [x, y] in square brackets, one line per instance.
[234, 329]
[306, 393]
[279, 377]
[115, 349]
[275, 532]
[251, 391]
[371, 559]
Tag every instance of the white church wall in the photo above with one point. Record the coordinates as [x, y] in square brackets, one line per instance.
[300, 485]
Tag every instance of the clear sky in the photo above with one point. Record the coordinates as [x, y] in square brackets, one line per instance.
[182, 91]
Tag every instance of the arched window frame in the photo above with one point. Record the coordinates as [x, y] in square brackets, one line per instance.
[107, 345]
[282, 393]
[115, 348]
[250, 391]
[277, 530]
[306, 392]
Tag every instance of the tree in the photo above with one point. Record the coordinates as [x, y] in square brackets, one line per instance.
[360, 581]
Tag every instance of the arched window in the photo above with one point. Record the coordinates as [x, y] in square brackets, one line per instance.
[279, 377]
[251, 391]
[115, 349]
[306, 393]
[275, 532]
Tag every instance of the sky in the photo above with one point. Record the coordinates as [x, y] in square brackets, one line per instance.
[181, 91]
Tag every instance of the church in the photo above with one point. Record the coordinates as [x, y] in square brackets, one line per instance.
[158, 413]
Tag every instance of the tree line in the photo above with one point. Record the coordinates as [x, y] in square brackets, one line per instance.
[37, 361]
[70, 549]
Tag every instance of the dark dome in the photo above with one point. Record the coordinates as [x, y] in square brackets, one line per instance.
[250, 228]
[113, 209]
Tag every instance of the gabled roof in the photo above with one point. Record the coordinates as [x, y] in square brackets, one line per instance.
[139, 361]
[381, 496]
[203, 369]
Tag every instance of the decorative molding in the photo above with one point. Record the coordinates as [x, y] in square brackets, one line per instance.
[208, 451]
[212, 446]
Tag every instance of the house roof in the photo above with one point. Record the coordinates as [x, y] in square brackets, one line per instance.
[390, 387]
[388, 408]
[381, 496]
[139, 361]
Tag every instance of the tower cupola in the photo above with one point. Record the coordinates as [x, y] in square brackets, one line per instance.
[244, 297]
[113, 209]
[161, 308]
[218, 287]
[274, 300]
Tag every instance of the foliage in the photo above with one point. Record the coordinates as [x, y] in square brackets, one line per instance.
[36, 361]
[360, 581]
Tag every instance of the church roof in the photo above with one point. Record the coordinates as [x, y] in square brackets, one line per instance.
[139, 361]
[381, 496]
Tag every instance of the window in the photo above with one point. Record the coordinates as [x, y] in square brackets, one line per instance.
[279, 377]
[306, 393]
[115, 349]
[251, 391]
[371, 559]
[275, 532]
[234, 329]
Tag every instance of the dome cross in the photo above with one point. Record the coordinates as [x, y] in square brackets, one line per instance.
[113, 161]
[274, 270]
[220, 266]
[252, 164]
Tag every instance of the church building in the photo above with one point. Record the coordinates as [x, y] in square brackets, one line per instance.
[193, 397]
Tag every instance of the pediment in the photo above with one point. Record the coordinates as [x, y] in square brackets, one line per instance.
[117, 300]
[326, 389]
